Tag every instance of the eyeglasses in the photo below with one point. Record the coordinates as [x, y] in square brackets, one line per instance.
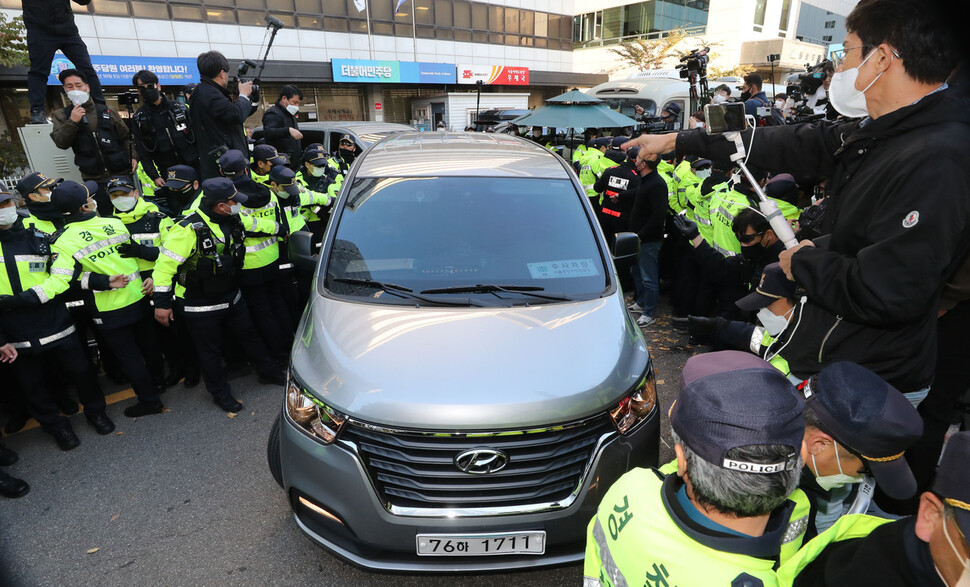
[838, 57]
[747, 238]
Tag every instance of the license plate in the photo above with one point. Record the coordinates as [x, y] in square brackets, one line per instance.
[481, 544]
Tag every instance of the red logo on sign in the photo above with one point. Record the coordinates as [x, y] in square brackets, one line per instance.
[466, 74]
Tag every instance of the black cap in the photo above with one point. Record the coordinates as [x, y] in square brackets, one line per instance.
[119, 183]
[618, 142]
[217, 189]
[5, 195]
[316, 156]
[284, 177]
[673, 108]
[632, 153]
[773, 286]
[233, 161]
[188, 88]
[603, 142]
[346, 138]
[700, 164]
[782, 187]
[731, 399]
[68, 196]
[34, 182]
[266, 152]
[871, 419]
[952, 481]
[180, 176]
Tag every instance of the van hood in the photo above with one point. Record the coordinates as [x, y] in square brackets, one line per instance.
[469, 368]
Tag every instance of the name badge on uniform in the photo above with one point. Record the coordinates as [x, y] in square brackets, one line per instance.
[619, 183]
[36, 266]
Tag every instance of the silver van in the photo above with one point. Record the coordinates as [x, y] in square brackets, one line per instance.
[467, 382]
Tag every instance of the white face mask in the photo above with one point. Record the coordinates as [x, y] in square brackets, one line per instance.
[830, 482]
[779, 104]
[773, 323]
[8, 215]
[283, 194]
[964, 580]
[718, 99]
[234, 209]
[124, 203]
[703, 173]
[77, 97]
[293, 109]
[843, 94]
[44, 197]
[317, 171]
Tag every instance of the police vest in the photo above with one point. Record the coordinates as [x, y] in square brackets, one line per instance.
[633, 540]
[847, 527]
[145, 224]
[175, 136]
[45, 226]
[147, 184]
[24, 259]
[724, 206]
[262, 244]
[324, 184]
[700, 207]
[99, 152]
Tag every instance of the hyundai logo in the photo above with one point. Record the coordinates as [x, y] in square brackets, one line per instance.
[481, 461]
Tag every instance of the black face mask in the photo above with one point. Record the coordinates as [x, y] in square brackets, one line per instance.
[149, 94]
[754, 253]
[44, 210]
[745, 96]
[347, 155]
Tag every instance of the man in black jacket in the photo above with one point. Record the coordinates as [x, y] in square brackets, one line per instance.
[647, 220]
[898, 215]
[619, 188]
[50, 26]
[280, 127]
[217, 119]
[162, 132]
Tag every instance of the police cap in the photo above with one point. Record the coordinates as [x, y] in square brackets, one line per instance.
[632, 153]
[5, 195]
[315, 156]
[218, 189]
[34, 182]
[232, 162]
[673, 108]
[284, 177]
[120, 183]
[782, 187]
[180, 176]
[772, 287]
[731, 399]
[952, 481]
[266, 152]
[870, 418]
[618, 142]
[603, 142]
[347, 140]
[68, 196]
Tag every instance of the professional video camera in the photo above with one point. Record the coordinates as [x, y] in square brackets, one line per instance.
[129, 98]
[273, 26]
[800, 87]
[652, 125]
[696, 60]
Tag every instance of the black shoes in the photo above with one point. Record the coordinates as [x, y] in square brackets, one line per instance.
[66, 405]
[228, 403]
[191, 378]
[37, 117]
[11, 487]
[276, 378]
[141, 409]
[16, 422]
[7, 456]
[66, 439]
[101, 423]
[174, 377]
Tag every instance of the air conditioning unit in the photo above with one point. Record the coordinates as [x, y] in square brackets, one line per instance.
[44, 156]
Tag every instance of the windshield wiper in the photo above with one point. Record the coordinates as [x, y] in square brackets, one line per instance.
[400, 291]
[491, 288]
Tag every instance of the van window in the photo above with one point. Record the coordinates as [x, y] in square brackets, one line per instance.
[627, 106]
[439, 232]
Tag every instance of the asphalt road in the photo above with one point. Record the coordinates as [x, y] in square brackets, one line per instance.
[185, 498]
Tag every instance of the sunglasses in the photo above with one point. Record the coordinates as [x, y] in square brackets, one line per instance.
[747, 238]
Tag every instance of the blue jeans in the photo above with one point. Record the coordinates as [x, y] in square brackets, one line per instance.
[646, 276]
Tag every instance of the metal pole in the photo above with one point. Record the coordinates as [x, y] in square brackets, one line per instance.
[772, 62]
[478, 101]
[370, 39]
[414, 33]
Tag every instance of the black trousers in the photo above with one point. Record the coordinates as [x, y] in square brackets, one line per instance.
[207, 330]
[69, 356]
[137, 349]
[41, 46]
[270, 314]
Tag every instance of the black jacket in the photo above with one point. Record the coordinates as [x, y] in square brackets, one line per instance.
[277, 123]
[164, 137]
[217, 120]
[52, 16]
[897, 221]
[621, 182]
[649, 208]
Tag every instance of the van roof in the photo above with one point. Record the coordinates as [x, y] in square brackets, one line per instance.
[459, 154]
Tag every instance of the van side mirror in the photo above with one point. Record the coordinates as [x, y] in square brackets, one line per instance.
[626, 250]
[301, 250]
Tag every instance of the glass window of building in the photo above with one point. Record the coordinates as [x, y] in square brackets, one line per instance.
[463, 15]
[759, 14]
[526, 22]
[443, 14]
[512, 20]
[219, 15]
[334, 7]
[785, 13]
[309, 7]
[187, 13]
[149, 10]
[424, 12]
[496, 19]
[110, 7]
[479, 17]
[337, 25]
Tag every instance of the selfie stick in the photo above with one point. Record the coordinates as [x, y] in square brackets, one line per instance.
[769, 207]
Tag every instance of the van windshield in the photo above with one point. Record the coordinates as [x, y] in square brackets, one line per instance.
[399, 237]
[627, 106]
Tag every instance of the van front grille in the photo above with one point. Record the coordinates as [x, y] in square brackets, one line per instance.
[419, 470]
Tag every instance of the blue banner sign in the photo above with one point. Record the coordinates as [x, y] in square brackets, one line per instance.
[117, 70]
[365, 71]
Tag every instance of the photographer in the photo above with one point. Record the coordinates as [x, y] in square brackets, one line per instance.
[280, 126]
[161, 130]
[897, 214]
[217, 119]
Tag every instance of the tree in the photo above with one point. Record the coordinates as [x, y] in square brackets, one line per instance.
[736, 71]
[13, 43]
[650, 53]
[13, 161]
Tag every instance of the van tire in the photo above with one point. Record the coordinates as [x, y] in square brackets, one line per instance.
[273, 453]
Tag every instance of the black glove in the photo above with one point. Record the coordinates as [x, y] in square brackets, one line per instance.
[686, 226]
[137, 250]
[703, 329]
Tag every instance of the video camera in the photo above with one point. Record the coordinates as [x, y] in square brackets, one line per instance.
[800, 86]
[274, 25]
[695, 61]
[129, 98]
[652, 125]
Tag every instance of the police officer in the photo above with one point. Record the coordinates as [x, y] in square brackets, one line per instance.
[280, 127]
[35, 189]
[181, 187]
[856, 425]
[724, 517]
[88, 247]
[36, 329]
[345, 155]
[97, 135]
[318, 177]
[265, 157]
[162, 131]
[217, 119]
[588, 166]
[197, 280]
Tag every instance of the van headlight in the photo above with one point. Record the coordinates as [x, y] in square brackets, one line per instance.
[635, 407]
[315, 417]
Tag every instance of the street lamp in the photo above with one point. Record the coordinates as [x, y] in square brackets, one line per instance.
[478, 100]
[771, 61]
